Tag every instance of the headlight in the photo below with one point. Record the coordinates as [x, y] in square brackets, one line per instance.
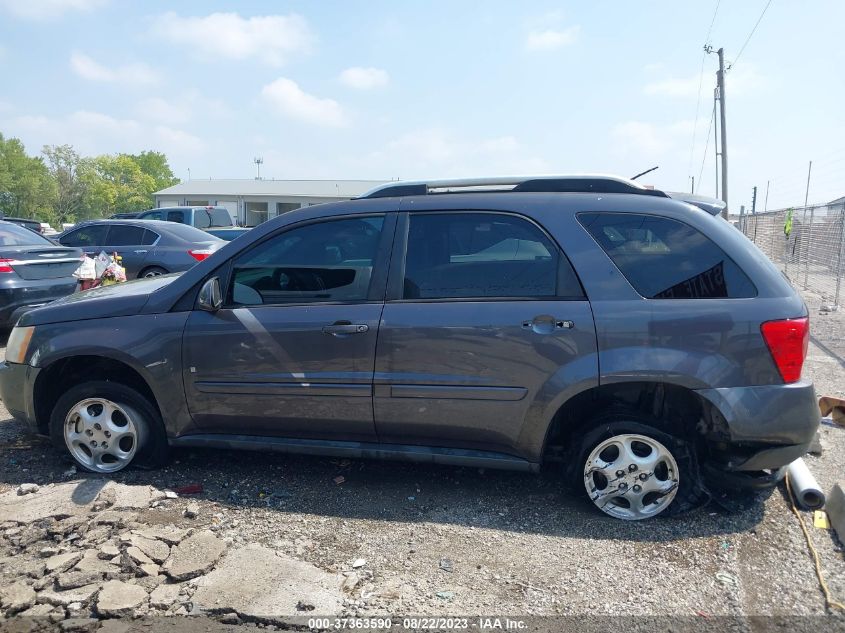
[18, 344]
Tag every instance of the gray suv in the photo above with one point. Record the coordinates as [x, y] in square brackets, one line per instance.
[636, 342]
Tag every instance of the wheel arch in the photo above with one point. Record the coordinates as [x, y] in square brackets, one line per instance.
[62, 373]
[677, 410]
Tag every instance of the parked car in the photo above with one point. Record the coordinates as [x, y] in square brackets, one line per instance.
[637, 342]
[33, 271]
[125, 216]
[228, 234]
[200, 217]
[147, 248]
[32, 225]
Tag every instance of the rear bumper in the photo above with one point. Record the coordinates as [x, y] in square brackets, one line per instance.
[19, 295]
[768, 426]
[16, 390]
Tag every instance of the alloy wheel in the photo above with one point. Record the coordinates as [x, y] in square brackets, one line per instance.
[101, 435]
[631, 477]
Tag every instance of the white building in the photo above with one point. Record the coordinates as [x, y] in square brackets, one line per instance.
[251, 202]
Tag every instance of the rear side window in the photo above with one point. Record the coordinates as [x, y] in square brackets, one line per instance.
[94, 235]
[474, 255]
[149, 238]
[667, 259]
[176, 216]
[124, 235]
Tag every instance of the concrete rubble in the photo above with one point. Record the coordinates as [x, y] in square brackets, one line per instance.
[84, 555]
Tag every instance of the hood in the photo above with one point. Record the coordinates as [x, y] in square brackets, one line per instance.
[121, 299]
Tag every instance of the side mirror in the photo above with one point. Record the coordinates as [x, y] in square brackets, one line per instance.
[210, 298]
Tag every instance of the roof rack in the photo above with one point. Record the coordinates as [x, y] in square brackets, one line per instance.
[584, 183]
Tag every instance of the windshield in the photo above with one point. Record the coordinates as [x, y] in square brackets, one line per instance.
[14, 235]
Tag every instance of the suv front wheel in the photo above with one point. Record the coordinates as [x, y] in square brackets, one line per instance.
[105, 426]
[634, 471]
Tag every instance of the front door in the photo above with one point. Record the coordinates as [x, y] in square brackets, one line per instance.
[291, 352]
[485, 320]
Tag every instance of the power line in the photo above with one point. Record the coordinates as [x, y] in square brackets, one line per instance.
[706, 145]
[700, 83]
[750, 35]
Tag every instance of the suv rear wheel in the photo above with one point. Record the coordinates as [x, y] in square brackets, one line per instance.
[633, 471]
[105, 426]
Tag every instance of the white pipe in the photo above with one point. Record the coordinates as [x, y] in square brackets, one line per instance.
[806, 489]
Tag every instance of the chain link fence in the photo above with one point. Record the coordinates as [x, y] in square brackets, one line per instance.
[813, 255]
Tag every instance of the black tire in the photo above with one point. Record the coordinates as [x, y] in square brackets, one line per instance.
[691, 492]
[152, 450]
[152, 271]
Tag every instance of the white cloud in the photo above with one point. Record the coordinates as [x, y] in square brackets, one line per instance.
[271, 38]
[738, 82]
[542, 40]
[129, 74]
[286, 97]
[48, 9]
[189, 105]
[435, 152]
[94, 133]
[650, 139]
[364, 78]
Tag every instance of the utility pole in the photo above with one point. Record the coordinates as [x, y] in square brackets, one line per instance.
[766, 201]
[754, 201]
[720, 92]
[258, 160]
[692, 186]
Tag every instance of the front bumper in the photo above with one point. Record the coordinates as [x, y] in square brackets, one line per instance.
[16, 390]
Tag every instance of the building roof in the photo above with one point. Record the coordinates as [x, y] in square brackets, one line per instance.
[271, 188]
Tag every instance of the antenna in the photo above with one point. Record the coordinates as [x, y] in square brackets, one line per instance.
[258, 162]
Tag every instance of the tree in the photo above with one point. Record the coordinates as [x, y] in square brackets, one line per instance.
[117, 184]
[65, 167]
[155, 164]
[26, 189]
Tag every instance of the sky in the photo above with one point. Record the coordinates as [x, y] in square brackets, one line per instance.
[383, 90]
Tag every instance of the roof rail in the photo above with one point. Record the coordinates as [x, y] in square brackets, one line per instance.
[583, 183]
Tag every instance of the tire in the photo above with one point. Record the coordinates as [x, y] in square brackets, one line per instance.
[121, 425]
[659, 472]
[152, 271]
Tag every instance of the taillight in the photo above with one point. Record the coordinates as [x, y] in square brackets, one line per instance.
[201, 253]
[6, 266]
[788, 340]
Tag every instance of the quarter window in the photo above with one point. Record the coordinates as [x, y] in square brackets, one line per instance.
[667, 259]
[474, 255]
[325, 261]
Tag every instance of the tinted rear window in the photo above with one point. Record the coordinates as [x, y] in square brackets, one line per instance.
[14, 235]
[186, 232]
[667, 259]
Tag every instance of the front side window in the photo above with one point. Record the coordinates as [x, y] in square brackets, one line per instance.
[667, 259]
[94, 235]
[324, 261]
[176, 216]
[124, 235]
[152, 215]
[475, 255]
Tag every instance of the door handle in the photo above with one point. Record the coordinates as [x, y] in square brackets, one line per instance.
[345, 328]
[141, 251]
[546, 324]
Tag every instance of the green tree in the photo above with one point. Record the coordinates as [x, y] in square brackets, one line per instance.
[117, 184]
[155, 164]
[26, 189]
[66, 167]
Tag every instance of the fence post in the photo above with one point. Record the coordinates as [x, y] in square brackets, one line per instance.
[839, 257]
[809, 243]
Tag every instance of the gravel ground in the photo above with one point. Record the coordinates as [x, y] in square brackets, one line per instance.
[441, 540]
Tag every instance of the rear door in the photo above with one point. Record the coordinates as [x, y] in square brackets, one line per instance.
[484, 319]
[132, 244]
[291, 352]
